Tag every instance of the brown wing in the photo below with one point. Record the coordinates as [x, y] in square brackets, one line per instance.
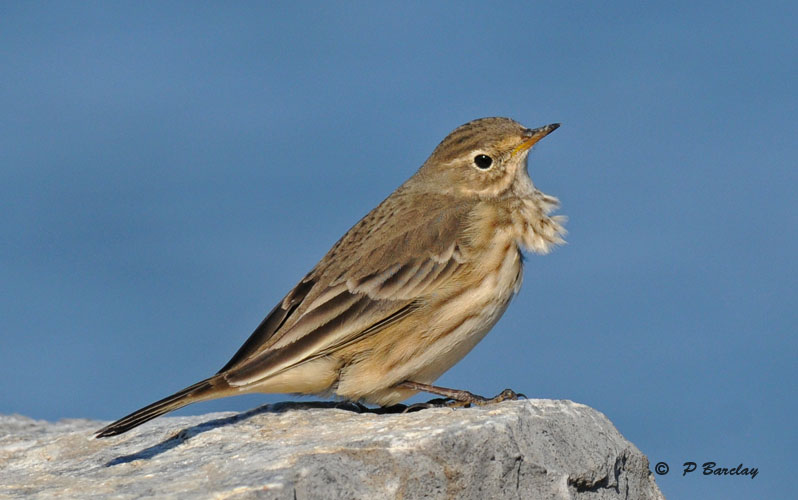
[273, 321]
[376, 274]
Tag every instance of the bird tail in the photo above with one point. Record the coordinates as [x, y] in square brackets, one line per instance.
[200, 391]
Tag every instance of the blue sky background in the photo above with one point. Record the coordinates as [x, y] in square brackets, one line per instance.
[169, 171]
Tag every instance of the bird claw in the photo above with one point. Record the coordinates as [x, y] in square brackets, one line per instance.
[506, 395]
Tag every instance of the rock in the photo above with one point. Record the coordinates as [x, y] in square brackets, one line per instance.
[515, 449]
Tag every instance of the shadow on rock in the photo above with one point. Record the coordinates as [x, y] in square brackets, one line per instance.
[188, 433]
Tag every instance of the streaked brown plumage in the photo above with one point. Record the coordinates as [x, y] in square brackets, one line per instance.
[407, 291]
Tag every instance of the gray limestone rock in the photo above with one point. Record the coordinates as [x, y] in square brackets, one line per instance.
[515, 449]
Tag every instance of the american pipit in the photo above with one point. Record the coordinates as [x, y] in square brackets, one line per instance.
[407, 291]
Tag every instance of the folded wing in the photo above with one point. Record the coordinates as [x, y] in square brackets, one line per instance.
[378, 273]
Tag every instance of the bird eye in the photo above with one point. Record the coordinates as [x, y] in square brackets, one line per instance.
[483, 161]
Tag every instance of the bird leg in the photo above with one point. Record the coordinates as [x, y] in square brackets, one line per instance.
[455, 398]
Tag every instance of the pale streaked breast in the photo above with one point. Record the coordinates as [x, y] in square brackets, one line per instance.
[464, 318]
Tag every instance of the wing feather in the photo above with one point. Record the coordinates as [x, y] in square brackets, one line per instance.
[377, 274]
[272, 323]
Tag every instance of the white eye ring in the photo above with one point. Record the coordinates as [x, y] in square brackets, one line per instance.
[483, 161]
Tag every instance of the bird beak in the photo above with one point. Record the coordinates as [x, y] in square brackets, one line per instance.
[533, 136]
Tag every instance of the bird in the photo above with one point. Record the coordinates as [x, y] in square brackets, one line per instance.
[408, 291]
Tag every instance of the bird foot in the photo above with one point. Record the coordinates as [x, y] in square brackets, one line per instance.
[433, 403]
[454, 398]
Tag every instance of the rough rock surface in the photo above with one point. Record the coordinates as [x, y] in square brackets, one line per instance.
[516, 449]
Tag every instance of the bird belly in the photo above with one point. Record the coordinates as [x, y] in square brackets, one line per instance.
[436, 337]
[316, 376]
